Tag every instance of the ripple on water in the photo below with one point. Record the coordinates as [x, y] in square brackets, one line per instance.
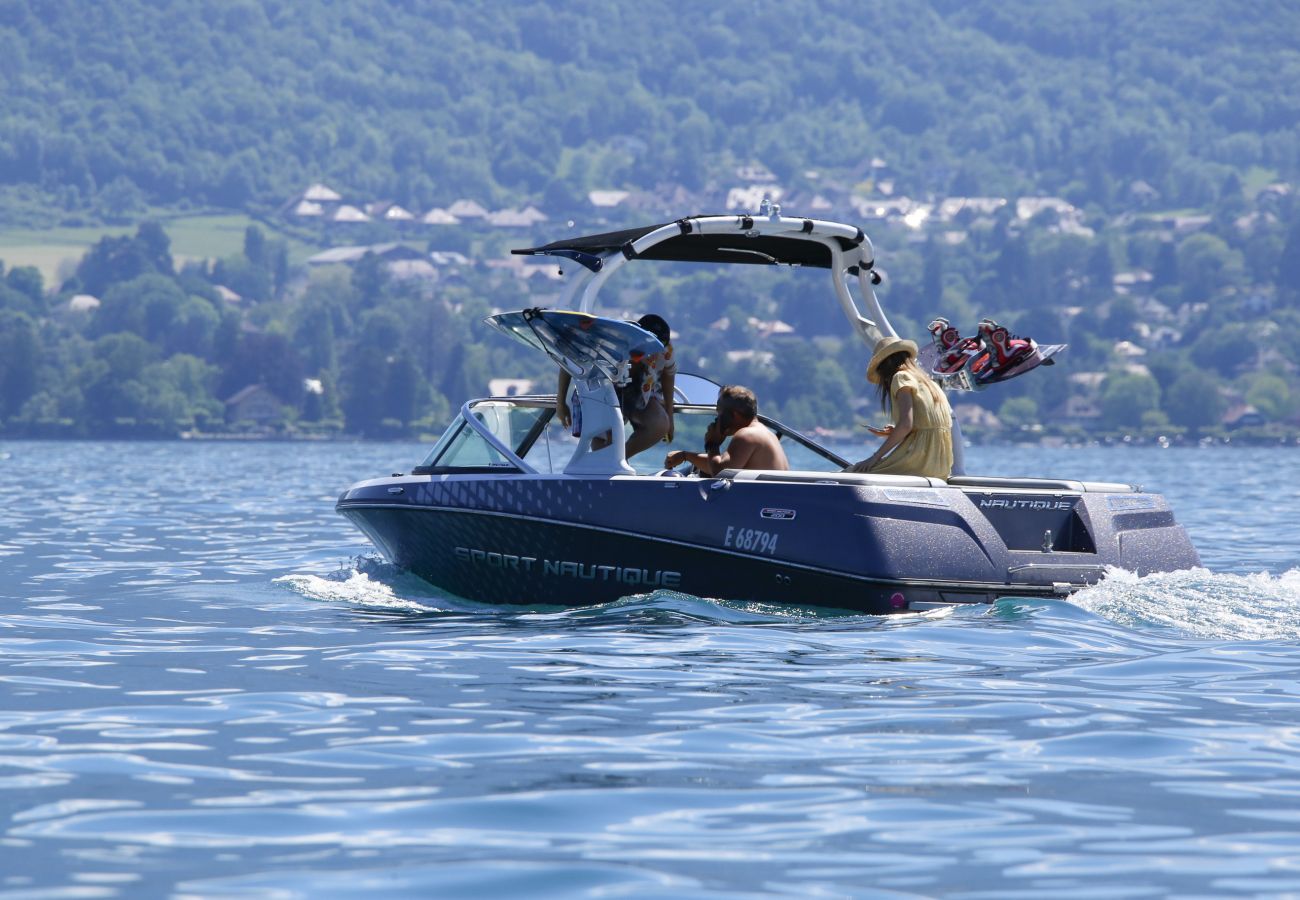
[200, 700]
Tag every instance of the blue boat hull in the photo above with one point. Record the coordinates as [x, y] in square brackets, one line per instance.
[839, 542]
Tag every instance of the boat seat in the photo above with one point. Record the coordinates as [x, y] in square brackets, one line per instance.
[1111, 487]
[831, 478]
[1040, 484]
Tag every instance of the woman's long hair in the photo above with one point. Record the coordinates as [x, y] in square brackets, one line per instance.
[886, 371]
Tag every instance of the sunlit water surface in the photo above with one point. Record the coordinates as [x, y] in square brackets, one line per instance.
[211, 687]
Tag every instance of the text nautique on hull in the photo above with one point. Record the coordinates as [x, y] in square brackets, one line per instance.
[509, 507]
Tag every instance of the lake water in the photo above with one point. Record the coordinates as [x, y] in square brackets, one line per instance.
[210, 687]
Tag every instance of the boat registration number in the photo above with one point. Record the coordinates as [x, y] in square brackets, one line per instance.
[751, 539]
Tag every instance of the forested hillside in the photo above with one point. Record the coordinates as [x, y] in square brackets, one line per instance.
[115, 105]
[1119, 175]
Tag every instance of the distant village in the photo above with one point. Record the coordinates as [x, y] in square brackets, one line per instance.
[869, 200]
[872, 200]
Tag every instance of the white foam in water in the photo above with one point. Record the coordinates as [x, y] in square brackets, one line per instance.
[354, 588]
[1200, 602]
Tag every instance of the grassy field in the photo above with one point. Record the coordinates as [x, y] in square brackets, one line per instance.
[1255, 179]
[57, 251]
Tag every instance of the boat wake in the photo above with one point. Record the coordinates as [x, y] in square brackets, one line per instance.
[1194, 602]
[1200, 603]
[368, 582]
[666, 607]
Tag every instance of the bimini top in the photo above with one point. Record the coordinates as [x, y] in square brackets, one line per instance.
[578, 342]
[740, 243]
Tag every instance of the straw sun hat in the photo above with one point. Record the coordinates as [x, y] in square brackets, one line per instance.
[885, 348]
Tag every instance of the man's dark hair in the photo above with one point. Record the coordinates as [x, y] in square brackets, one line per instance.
[739, 399]
[656, 325]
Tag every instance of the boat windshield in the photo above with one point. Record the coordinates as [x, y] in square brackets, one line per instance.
[528, 428]
[688, 388]
[462, 449]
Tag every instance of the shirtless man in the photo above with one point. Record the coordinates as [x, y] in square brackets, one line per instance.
[752, 446]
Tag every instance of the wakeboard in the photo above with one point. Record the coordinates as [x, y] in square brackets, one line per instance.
[991, 356]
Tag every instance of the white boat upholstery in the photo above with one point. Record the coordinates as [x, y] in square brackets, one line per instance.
[1040, 484]
[832, 478]
[964, 482]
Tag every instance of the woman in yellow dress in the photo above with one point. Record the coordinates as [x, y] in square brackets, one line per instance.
[920, 440]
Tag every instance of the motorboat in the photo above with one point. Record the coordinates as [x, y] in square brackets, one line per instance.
[510, 507]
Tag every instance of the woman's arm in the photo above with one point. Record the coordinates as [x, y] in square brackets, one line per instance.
[668, 380]
[902, 428]
[562, 400]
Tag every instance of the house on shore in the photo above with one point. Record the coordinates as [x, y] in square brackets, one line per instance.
[255, 405]
[350, 255]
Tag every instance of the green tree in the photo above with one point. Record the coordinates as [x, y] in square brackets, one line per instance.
[330, 411]
[362, 386]
[932, 279]
[268, 358]
[179, 393]
[1018, 412]
[1125, 397]
[157, 247]
[1271, 395]
[1206, 265]
[20, 352]
[467, 373]
[1121, 319]
[1101, 270]
[238, 181]
[27, 280]
[314, 334]
[110, 380]
[121, 200]
[1226, 349]
[367, 376]
[245, 278]
[17, 301]
[193, 328]
[255, 249]
[829, 393]
[113, 260]
[146, 306]
[1194, 400]
[1288, 266]
[404, 390]
[369, 280]
[1165, 272]
[810, 376]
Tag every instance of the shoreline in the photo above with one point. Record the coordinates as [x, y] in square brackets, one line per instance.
[1044, 441]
